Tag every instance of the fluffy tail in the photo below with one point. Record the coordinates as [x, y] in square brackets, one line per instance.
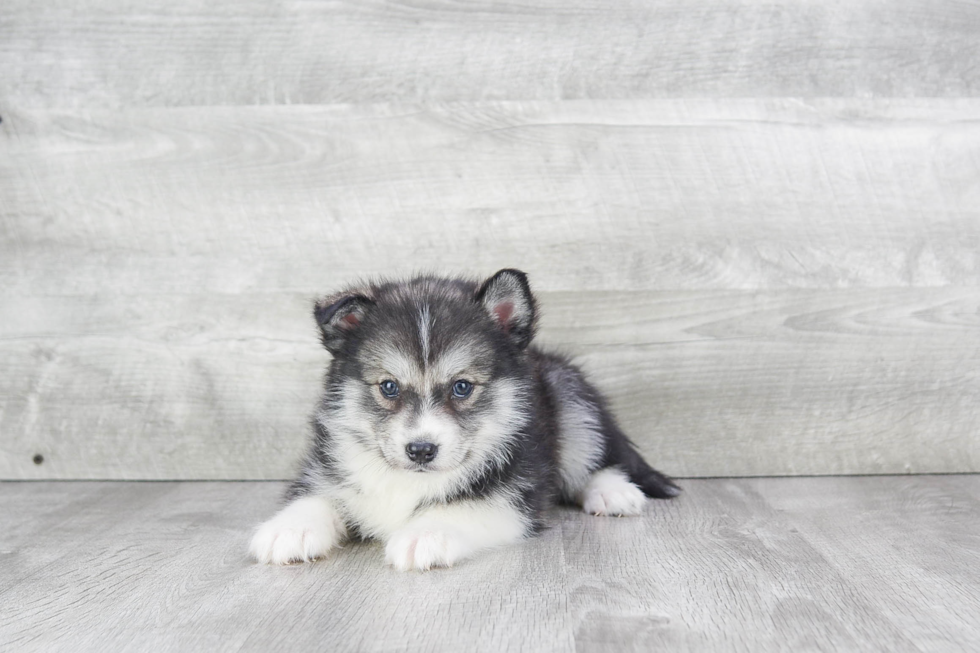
[620, 451]
[654, 484]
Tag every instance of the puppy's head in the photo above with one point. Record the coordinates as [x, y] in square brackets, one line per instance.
[429, 374]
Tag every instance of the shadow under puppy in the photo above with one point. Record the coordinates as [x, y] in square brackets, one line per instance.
[443, 433]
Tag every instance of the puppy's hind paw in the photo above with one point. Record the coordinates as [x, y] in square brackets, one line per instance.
[302, 532]
[610, 492]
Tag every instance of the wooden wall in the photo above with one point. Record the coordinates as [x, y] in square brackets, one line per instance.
[758, 224]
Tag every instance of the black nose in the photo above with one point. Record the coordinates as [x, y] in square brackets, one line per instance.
[421, 452]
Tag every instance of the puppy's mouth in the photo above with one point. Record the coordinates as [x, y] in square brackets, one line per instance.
[425, 468]
[409, 466]
[434, 467]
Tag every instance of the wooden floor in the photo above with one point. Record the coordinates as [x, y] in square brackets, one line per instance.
[845, 563]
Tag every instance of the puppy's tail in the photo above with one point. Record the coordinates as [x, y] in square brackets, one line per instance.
[653, 483]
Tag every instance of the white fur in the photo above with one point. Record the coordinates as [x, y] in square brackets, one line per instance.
[381, 497]
[581, 445]
[433, 426]
[304, 530]
[443, 535]
[391, 363]
[454, 363]
[581, 442]
[346, 417]
[424, 324]
[379, 491]
[610, 492]
[378, 496]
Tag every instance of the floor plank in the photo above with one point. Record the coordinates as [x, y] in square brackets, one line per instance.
[872, 563]
[717, 570]
[918, 538]
[182, 52]
[811, 264]
[800, 381]
[593, 195]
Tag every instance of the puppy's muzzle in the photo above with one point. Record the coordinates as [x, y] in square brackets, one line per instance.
[421, 452]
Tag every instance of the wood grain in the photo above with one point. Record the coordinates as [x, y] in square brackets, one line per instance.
[791, 382]
[707, 383]
[173, 576]
[763, 286]
[936, 525]
[719, 570]
[883, 563]
[645, 195]
[124, 53]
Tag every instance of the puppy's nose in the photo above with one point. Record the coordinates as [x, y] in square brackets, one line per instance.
[421, 452]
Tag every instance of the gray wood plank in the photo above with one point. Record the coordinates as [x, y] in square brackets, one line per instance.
[707, 383]
[816, 382]
[914, 538]
[155, 269]
[175, 577]
[118, 53]
[884, 563]
[79, 512]
[718, 570]
[604, 195]
[161, 387]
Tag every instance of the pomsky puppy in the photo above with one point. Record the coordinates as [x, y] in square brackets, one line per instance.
[443, 433]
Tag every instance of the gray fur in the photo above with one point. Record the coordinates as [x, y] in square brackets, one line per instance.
[532, 432]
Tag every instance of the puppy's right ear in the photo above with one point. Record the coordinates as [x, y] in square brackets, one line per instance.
[338, 317]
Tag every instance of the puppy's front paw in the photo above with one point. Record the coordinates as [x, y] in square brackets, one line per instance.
[303, 531]
[423, 549]
[610, 492]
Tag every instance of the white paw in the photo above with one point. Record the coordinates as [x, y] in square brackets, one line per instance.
[610, 492]
[303, 531]
[423, 549]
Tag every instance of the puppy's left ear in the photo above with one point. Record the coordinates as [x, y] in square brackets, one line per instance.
[507, 297]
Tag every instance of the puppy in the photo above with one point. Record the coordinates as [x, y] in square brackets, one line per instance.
[442, 432]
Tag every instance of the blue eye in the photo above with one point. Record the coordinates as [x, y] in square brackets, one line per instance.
[462, 389]
[389, 389]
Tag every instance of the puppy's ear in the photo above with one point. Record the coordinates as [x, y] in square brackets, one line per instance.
[507, 297]
[338, 317]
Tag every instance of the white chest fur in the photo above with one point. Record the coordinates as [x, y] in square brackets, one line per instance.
[382, 500]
